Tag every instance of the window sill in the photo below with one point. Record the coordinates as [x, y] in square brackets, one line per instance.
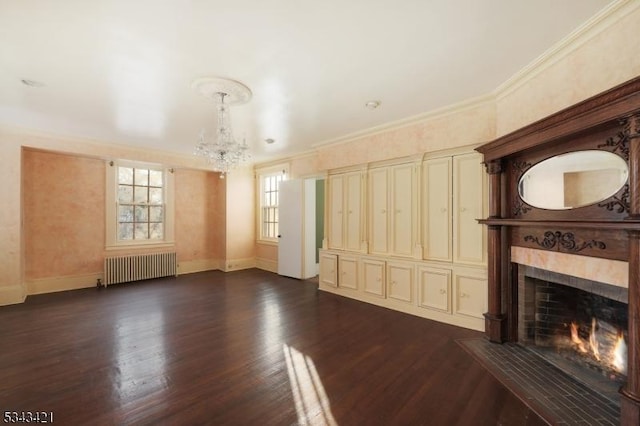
[141, 246]
[267, 242]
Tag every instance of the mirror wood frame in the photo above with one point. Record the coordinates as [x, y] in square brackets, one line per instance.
[575, 169]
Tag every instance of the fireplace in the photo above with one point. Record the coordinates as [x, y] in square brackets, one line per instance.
[531, 184]
[578, 325]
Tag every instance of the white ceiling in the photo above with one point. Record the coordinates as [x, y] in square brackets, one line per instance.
[120, 71]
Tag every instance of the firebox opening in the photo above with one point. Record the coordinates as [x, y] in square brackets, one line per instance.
[577, 326]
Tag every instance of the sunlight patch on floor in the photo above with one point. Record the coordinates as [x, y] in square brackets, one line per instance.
[312, 404]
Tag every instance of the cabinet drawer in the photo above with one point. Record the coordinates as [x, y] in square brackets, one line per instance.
[400, 281]
[348, 272]
[434, 288]
[329, 269]
[373, 276]
[470, 294]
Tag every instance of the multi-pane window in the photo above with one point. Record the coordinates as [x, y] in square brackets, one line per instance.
[140, 204]
[269, 205]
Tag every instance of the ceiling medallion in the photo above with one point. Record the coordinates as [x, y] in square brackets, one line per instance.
[221, 150]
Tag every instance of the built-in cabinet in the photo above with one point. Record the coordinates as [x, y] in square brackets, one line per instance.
[392, 209]
[453, 201]
[469, 204]
[345, 211]
[405, 235]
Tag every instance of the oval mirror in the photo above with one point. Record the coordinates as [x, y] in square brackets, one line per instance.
[573, 180]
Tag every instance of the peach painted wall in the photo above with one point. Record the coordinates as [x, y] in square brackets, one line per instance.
[473, 124]
[64, 214]
[64, 222]
[304, 165]
[12, 289]
[197, 215]
[240, 210]
[607, 56]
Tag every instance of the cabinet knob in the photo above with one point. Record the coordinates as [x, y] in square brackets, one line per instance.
[443, 291]
[398, 211]
[464, 295]
[379, 279]
[443, 209]
[383, 211]
[463, 209]
[350, 211]
[339, 211]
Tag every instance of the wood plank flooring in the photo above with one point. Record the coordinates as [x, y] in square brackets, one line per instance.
[240, 348]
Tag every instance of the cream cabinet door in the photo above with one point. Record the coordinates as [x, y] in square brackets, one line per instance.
[329, 269]
[469, 181]
[470, 293]
[373, 274]
[402, 210]
[336, 220]
[400, 281]
[348, 272]
[434, 287]
[378, 210]
[353, 207]
[437, 217]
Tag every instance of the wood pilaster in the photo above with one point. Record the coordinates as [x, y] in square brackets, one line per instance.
[495, 319]
[630, 410]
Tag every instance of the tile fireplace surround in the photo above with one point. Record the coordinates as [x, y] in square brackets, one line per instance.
[613, 272]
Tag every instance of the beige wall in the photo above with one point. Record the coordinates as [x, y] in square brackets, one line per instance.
[607, 54]
[11, 268]
[240, 229]
[64, 221]
[199, 214]
[64, 215]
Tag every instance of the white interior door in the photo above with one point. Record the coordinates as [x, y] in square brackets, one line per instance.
[290, 228]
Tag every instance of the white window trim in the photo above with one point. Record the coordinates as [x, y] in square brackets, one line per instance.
[260, 174]
[111, 238]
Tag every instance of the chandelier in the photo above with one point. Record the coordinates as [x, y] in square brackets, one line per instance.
[221, 151]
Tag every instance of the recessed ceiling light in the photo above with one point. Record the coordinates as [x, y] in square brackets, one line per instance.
[372, 104]
[31, 83]
[269, 141]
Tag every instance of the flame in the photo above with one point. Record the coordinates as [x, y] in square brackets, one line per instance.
[593, 340]
[615, 358]
[576, 339]
[620, 355]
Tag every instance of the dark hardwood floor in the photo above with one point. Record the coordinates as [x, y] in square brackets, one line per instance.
[240, 348]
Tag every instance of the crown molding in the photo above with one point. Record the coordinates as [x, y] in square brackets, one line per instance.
[94, 148]
[601, 21]
[445, 111]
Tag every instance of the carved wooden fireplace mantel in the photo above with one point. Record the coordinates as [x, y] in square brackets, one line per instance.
[608, 228]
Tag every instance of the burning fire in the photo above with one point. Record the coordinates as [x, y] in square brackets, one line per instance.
[593, 340]
[620, 355]
[580, 346]
[616, 357]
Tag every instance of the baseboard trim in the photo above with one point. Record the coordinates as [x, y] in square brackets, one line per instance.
[12, 295]
[239, 264]
[56, 284]
[200, 265]
[267, 265]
